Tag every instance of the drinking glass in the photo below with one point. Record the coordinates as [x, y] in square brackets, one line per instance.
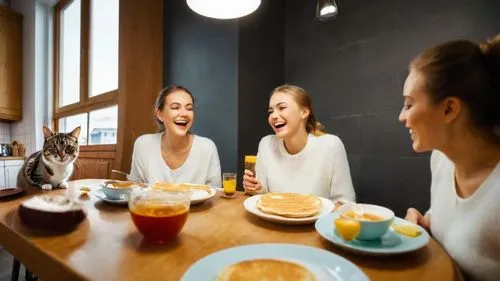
[159, 215]
[229, 184]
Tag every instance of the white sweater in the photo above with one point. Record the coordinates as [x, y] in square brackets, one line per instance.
[202, 165]
[321, 168]
[469, 229]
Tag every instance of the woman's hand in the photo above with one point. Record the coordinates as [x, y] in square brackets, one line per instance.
[414, 216]
[251, 185]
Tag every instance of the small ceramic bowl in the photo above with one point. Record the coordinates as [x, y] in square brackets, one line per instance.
[370, 229]
[117, 190]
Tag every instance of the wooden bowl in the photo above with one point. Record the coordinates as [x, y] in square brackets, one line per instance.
[51, 213]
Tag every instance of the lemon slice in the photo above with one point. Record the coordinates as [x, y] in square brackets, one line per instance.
[347, 229]
[84, 189]
[409, 230]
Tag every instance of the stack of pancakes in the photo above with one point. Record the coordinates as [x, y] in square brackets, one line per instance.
[182, 187]
[265, 269]
[291, 205]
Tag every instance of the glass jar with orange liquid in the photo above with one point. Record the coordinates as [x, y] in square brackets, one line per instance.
[229, 184]
[250, 161]
[159, 215]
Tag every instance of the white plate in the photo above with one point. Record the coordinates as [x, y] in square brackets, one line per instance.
[200, 196]
[251, 206]
[324, 265]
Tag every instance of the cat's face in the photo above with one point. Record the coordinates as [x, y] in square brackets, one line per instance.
[60, 147]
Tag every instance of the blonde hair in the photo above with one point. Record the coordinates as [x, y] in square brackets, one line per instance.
[302, 98]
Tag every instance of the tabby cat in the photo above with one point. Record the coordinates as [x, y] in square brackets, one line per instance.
[54, 163]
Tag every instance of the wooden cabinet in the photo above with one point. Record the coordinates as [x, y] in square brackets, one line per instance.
[11, 52]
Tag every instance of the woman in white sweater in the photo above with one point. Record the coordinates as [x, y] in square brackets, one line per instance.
[175, 155]
[300, 157]
[452, 106]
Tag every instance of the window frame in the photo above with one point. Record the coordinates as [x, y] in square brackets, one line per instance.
[86, 104]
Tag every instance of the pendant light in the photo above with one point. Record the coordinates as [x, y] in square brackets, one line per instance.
[223, 9]
[326, 10]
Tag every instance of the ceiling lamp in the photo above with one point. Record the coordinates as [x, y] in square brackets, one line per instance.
[223, 9]
[326, 10]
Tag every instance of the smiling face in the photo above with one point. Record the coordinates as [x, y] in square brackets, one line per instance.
[177, 114]
[286, 117]
[426, 120]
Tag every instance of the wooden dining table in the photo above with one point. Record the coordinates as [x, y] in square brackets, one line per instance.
[107, 245]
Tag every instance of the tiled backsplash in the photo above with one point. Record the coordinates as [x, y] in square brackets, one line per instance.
[5, 132]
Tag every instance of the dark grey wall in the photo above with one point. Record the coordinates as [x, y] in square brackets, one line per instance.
[354, 68]
[260, 69]
[202, 55]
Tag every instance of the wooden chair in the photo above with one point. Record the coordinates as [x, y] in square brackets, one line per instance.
[28, 275]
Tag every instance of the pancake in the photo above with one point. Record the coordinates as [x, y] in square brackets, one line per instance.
[265, 269]
[290, 205]
[182, 187]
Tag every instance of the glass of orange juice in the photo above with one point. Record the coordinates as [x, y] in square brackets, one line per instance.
[229, 184]
[347, 227]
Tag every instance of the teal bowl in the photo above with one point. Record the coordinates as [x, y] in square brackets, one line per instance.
[116, 193]
[371, 230]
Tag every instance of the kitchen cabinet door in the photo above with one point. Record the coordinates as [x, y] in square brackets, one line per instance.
[10, 65]
[11, 175]
[2, 177]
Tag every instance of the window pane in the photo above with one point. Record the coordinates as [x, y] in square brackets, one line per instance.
[67, 124]
[69, 72]
[103, 46]
[103, 124]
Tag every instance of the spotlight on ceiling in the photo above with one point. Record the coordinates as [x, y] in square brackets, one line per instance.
[326, 10]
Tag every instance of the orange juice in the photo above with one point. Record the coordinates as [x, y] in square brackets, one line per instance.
[347, 229]
[229, 186]
[250, 161]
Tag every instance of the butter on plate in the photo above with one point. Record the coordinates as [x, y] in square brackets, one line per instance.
[407, 229]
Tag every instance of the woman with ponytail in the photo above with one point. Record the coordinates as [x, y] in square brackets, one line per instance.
[452, 108]
[300, 157]
[174, 154]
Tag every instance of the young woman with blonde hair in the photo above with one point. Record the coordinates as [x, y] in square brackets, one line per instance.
[300, 157]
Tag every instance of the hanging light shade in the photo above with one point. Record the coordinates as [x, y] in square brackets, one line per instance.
[223, 9]
[326, 9]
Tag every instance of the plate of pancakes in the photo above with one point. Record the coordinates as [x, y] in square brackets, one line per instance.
[200, 192]
[273, 262]
[289, 208]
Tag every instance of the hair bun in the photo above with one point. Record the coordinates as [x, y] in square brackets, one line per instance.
[491, 52]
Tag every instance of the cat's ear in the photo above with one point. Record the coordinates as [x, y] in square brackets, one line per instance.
[76, 132]
[47, 133]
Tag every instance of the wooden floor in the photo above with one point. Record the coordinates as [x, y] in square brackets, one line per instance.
[6, 266]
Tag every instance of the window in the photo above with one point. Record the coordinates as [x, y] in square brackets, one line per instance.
[103, 122]
[67, 124]
[69, 70]
[86, 69]
[103, 46]
[97, 127]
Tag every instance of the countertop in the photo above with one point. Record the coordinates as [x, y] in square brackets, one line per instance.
[11, 158]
